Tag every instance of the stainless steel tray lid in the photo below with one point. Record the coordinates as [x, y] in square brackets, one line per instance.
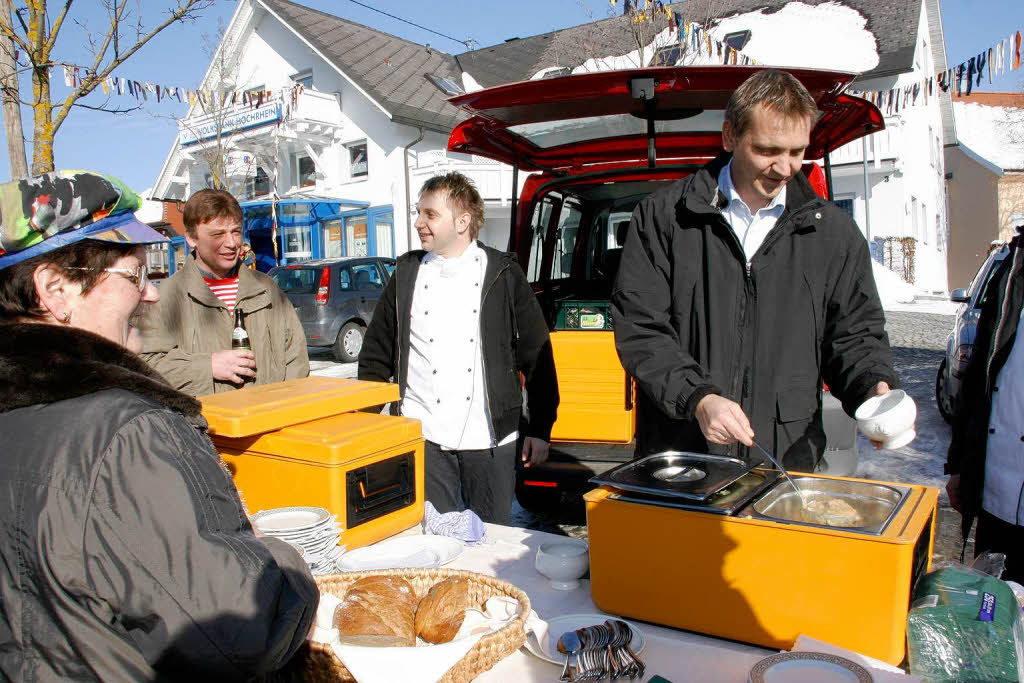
[676, 474]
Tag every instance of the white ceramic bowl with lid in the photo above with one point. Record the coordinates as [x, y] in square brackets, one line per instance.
[888, 418]
[564, 562]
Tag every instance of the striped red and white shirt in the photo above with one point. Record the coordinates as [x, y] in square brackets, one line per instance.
[225, 289]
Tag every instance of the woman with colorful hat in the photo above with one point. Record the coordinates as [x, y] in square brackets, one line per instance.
[125, 552]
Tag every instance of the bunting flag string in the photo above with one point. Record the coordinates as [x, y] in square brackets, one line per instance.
[960, 80]
[990, 63]
[75, 76]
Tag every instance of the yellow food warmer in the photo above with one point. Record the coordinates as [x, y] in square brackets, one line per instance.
[363, 467]
[595, 393]
[743, 561]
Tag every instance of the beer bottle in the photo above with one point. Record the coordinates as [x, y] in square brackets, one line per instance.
[239, 337]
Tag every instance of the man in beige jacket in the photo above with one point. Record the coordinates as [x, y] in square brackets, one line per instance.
[187, 334]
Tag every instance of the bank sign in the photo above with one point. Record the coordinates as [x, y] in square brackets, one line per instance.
[232, 123]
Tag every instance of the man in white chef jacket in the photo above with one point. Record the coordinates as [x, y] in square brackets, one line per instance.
[460, 330]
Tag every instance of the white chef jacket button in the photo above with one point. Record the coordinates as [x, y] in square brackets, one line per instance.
[818, 215]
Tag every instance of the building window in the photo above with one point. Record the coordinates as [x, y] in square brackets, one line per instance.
[257, 185]
[304, 78]
[846, 204]
[304, 170]
[358, 162]
[738, 39]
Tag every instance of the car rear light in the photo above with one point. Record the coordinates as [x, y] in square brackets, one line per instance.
[961, 359]
[544, 484]
[323, 292]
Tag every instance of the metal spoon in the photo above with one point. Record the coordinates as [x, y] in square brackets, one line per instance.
[569, 645]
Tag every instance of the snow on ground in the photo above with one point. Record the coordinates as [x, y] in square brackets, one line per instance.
[989, 131]
[897, 295]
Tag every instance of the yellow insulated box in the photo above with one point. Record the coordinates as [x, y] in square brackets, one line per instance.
[596, 396]
[259, 409]
[757, 580]
[363, 467]
[298, 443]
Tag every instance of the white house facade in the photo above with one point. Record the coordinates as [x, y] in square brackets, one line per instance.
[334, 167]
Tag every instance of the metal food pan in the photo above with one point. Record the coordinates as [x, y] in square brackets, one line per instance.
[876, 504]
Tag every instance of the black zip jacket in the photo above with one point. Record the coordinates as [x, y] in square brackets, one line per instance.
[997, 331]
[692, 319]
[512, 330]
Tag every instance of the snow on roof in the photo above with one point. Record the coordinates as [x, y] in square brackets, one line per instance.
[994, 133]
[832, 36]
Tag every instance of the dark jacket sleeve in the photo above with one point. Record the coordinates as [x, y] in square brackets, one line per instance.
[971, 404]
[534, 357]
[645, 339]
[377, 361]
[855, 352]
[173, 558]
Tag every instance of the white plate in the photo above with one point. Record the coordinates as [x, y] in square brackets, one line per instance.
[812, 667]
[380, 556]
[289, 519]
[547, 647]
[403, 552]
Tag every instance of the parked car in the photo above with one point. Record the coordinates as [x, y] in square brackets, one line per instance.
[598, 143]
[960, 342]
[334, 299]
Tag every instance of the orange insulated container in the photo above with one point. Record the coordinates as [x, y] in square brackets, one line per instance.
[750, 577]
[364, 467]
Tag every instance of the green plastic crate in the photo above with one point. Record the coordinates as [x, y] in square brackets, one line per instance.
[574, 314]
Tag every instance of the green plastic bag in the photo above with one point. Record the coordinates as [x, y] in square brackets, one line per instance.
[965, 626]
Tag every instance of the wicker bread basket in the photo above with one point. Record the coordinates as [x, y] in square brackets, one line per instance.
[316, 662]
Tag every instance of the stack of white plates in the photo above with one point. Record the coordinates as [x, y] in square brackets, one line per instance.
[314, 530]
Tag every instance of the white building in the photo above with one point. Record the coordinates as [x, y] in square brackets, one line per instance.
[344, 159]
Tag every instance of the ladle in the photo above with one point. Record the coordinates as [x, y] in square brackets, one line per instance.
[803, 501]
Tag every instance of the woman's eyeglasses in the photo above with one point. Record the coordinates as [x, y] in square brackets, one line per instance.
[139, 276]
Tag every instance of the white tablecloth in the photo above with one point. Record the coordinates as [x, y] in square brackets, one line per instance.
[679, 656]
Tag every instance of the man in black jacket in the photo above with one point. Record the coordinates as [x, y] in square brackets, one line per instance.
[986, 455]
[740, 290]
[455, 327]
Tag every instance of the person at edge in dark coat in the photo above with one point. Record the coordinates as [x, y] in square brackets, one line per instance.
[986, 454]
[740, 290]
[455, 327]
[126, 552]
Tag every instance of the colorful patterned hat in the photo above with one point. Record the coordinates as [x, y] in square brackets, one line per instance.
[53, 210]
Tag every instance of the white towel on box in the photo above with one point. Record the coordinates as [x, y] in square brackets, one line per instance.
[425, 663]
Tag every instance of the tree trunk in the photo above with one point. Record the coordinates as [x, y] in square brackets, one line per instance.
[11, 103]
[42, 122]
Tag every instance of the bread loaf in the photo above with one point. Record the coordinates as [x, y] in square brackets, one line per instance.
[377, 610]
[441, 612]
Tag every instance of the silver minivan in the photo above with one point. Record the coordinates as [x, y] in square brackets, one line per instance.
[334, 299]
[960, 343]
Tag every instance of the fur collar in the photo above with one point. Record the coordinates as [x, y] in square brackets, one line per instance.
[41, 363]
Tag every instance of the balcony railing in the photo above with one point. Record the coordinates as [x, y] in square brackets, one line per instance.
[311, 106]
[881, 146]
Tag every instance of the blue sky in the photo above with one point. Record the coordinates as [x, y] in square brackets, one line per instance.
[133, 146]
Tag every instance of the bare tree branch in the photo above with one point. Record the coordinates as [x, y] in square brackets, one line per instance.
[184, 10]
[55, 29]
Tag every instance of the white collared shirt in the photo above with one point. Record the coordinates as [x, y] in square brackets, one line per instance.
[1003, 495]
[750, 229]
[445, 381]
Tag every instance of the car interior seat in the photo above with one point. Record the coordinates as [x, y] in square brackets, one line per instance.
[363, 281]
[614, 256]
